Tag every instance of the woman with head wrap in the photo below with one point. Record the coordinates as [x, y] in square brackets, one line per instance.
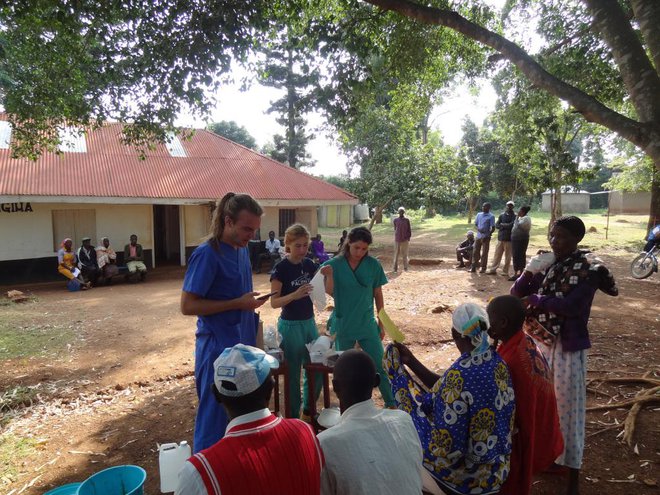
[464, 423]
[66, 265]
[559, 288]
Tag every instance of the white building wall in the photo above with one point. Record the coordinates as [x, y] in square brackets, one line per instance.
[270, 221]
[27, 235]
[197, 222]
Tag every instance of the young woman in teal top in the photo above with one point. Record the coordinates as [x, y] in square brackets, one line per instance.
[355, 282]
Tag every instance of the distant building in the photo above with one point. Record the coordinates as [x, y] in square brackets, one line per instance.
[99, 187]
[571, 201]
[630, 202]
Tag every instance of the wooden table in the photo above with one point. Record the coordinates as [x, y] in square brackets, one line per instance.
[311, 369]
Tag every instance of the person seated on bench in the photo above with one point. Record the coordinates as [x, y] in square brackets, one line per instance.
[318, 249]
[87, 261]
[272, 251]
[107, 260]
[134, 259]
[66, 265]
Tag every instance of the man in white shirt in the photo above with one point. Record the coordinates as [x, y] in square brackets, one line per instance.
[370, 450]
[274, 248]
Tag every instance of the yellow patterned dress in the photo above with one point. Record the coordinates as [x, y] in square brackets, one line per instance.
[464, 423]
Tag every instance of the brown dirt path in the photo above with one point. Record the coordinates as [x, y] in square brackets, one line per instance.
[125, 382]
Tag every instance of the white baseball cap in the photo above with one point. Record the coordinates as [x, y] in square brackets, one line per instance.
[401, 208]
[510, 203]
[242, 369]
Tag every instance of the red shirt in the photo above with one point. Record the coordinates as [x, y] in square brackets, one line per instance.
[538, 441]
[271, 456]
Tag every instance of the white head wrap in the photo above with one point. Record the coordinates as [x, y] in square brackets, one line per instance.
[471, 321]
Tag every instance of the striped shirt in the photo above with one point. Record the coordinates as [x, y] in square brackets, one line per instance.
[259, 454]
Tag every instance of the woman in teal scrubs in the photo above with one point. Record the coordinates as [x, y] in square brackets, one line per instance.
[355, 283]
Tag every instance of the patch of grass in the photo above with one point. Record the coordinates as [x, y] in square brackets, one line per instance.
[13, 450]
[625, 232]
[19, 338]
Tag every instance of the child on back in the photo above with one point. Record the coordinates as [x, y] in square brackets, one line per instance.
[291, 282]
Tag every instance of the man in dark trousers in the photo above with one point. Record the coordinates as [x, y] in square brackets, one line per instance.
[485, 224]
[402, 234]
[503, 225]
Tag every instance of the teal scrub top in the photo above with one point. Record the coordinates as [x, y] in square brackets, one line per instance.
[354, 296]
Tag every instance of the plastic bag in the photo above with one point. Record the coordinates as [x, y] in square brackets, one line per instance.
[272, 338]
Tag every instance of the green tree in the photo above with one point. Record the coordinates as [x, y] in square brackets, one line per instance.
[599, 55]
[80, 63]
[231, 130]
[76, 62]
[287, 65]
[631, 175]
[544, 141]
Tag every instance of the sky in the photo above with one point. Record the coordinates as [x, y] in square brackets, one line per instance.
[249, 109]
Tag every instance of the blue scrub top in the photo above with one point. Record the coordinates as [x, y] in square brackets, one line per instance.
[222, 274]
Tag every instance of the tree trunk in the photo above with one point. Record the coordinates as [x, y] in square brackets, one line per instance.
[378, 213]
[291, 111]
[471, 204]
[654, 214]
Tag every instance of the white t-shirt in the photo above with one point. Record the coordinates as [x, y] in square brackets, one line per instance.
[273, 246]
[371, 450]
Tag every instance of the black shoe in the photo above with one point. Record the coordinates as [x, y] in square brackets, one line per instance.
[513, 278]
[473, 270]
[483, 270]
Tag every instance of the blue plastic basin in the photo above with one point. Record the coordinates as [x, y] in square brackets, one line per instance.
[117, 480]
[70, 489]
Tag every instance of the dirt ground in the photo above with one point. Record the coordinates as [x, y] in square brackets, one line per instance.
[123, 381]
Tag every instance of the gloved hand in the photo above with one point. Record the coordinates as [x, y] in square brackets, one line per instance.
[540, 262]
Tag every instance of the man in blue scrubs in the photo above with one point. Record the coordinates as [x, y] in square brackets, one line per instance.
[218, 289]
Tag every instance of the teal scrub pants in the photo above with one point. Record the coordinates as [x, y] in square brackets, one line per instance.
[373, 346]
[295, 334]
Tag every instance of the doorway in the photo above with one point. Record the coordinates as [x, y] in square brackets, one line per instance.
[167, 240]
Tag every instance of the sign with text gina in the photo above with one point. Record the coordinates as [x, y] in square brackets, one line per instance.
[15, 207]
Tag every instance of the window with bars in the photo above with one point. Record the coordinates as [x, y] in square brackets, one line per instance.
[287, 218]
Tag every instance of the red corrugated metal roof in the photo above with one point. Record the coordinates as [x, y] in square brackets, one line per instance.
[213, 166]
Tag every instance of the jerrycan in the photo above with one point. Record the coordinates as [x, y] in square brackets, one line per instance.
[171, 458]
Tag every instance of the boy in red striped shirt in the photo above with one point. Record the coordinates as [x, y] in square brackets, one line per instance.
[260, 453]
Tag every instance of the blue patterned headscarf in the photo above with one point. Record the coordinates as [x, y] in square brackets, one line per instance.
[471, 321]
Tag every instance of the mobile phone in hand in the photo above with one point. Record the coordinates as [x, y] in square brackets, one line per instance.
[265, 296]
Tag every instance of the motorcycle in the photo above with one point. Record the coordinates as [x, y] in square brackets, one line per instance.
[645, 263]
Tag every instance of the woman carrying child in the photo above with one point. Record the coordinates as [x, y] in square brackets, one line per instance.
[290, 281]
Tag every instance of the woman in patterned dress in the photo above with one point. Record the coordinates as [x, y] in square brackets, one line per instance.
[465, 422]
[558, 289]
